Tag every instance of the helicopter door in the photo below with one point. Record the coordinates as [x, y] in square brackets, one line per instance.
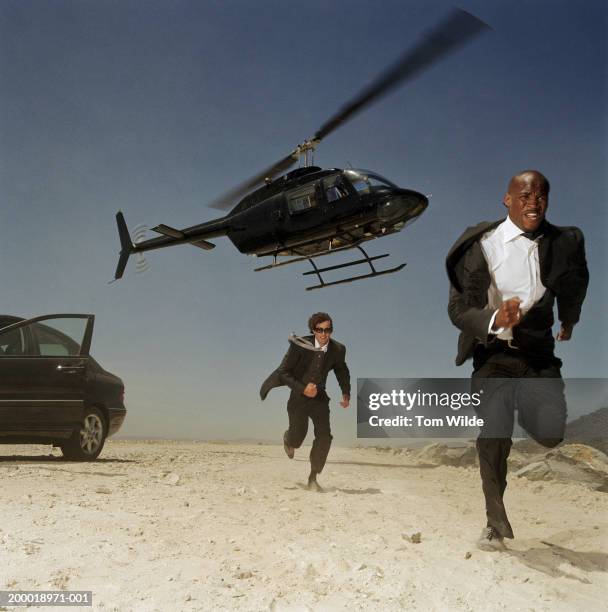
[302, 200]
[303, 206]
[334, 190]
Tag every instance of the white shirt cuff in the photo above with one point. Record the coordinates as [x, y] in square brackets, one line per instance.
[495, 332]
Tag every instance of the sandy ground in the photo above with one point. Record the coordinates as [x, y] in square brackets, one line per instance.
[194, 526]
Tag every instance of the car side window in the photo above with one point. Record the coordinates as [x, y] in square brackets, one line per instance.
[47, 336]
[12, 343]
[61, 339]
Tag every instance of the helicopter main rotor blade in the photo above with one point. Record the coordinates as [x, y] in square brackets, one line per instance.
[453, 32]
[227, 200]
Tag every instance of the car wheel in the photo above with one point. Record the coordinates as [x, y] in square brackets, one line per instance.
[87, 442]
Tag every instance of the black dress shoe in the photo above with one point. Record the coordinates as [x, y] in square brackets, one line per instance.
[490, 540]
[289, 450]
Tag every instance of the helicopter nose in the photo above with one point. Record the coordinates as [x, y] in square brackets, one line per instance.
[403, 205]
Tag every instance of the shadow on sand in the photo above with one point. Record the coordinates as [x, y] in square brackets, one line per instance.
[368, 491]
[53, 463]
[561, 562]
[421, 466]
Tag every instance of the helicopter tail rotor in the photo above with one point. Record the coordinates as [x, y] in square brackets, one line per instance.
[126, 245]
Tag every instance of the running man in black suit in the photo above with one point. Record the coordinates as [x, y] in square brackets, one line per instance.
[304, 370]
[505, 277]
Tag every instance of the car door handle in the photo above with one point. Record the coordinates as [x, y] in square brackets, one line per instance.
[69, 369]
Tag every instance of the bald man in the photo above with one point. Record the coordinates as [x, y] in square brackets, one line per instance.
[505, 277]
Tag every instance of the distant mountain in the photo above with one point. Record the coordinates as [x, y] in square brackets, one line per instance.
[590, 429]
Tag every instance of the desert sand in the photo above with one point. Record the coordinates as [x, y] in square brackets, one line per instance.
[160, 525]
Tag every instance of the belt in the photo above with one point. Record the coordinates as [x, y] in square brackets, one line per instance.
[506, 343]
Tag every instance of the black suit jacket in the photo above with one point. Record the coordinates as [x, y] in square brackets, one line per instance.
[563, 271]
[296, 364]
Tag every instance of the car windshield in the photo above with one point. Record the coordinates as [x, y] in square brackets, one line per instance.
[364, 180]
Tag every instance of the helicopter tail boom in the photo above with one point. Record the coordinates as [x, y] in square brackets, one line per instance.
[196, 236]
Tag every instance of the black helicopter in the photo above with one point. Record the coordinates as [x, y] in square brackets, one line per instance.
[311, 212]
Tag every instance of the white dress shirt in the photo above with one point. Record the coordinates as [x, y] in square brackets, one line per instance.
[323, 348]
[514, 270]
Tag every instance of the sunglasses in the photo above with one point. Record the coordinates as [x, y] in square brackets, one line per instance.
[324, 330]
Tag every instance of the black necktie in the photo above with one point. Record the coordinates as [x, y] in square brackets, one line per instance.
[537, 233]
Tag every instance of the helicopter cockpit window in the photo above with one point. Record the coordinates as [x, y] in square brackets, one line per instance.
[364, 181]
[301, 200]
[334, 188]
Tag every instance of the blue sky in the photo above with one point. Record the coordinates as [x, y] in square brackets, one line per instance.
[155, 108]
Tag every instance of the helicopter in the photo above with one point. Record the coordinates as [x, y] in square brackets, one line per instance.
[311, 212]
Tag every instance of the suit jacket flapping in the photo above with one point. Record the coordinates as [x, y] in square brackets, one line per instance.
[563, 271]
[296, 364]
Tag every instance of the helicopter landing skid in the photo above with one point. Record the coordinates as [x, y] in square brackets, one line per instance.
[278, 264]
[318, 271]
[367, 259]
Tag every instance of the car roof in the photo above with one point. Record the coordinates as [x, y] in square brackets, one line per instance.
[6, 320]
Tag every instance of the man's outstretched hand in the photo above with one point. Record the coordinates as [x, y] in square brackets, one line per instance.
[508, 314]
[345, 401]
[565, 333]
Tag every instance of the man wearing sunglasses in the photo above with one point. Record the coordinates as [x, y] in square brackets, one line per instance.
[304, 370]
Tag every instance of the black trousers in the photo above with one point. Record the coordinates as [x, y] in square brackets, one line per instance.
[512, 381]
[300, 409]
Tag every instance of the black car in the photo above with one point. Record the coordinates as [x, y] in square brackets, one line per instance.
[51, 390]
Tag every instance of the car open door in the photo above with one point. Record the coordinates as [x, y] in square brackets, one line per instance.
[43, 370]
